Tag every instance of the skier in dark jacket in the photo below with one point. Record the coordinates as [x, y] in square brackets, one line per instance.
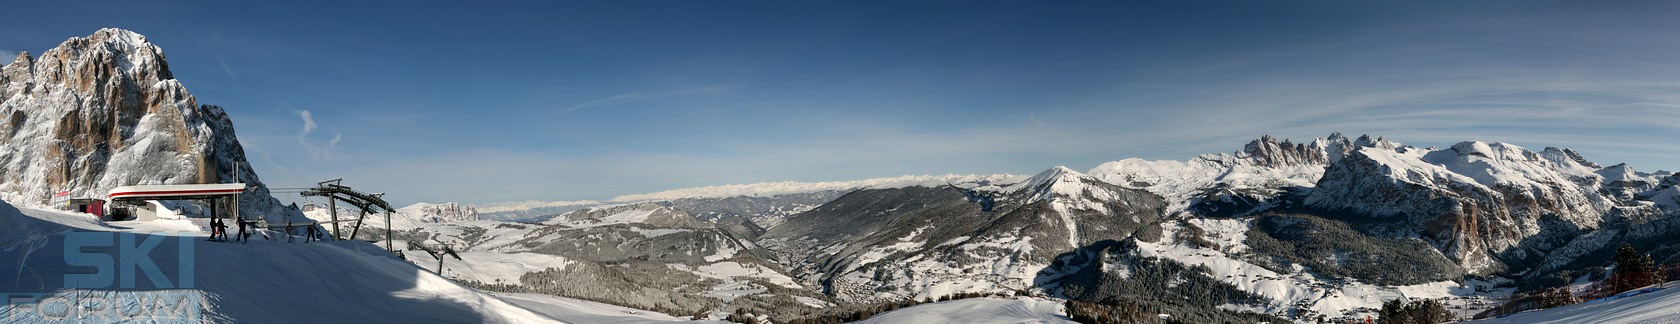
[242, 234]
[215, 228]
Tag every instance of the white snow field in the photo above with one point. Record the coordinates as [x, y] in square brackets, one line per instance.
[1661, 306]
[979, 311]
[167, 271]
[583, 311]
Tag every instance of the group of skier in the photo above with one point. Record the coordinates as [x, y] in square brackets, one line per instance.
[218, 231]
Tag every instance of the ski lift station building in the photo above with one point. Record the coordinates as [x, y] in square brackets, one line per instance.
[132, 202]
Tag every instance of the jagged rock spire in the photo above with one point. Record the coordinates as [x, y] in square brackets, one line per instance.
[104, 111]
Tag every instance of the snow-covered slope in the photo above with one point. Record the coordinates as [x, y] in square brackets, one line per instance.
[648, 255]
[1662, 306]
[104, 111]
[258, 282]
[978, 311]
[583, 311]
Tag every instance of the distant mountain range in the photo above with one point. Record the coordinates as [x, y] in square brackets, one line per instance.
[1322, 227]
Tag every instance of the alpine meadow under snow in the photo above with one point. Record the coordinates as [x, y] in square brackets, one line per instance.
[1326, 229]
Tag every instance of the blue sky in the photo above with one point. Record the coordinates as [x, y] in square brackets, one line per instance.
[502, 101]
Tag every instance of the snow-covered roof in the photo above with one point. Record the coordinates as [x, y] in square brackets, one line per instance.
[187, 191]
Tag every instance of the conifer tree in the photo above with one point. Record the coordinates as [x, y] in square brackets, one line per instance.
[1633, 270]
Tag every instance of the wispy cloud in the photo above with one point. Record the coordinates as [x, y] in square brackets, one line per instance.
[229, 71]
[309, 126]
[264, 157]
[1034, 118]
[639, 96]
[6, 56]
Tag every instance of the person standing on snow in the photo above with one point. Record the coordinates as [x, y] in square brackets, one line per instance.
[242, 234]
[215, 228]
[221, 229]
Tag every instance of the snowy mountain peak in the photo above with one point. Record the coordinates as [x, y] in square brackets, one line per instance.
[1335, 146]
[1268, 151]
[1569, 155]
[1053, 180]
[1067, 190]
[1620, 172]
[1263, 169]
[1056, 173]
[1475, 163]
[22, 58]
[1494, 150]
[1467, 184]
[110, 50]
[120, 35]
[1364, 140]
[120, 41]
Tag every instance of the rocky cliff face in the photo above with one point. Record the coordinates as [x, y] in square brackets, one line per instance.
[440, 213]
[1238, 183]
[1484, 204]
[1487, 206]
[104, 111]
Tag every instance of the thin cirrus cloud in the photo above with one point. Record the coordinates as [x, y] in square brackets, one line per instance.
[640, 96]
